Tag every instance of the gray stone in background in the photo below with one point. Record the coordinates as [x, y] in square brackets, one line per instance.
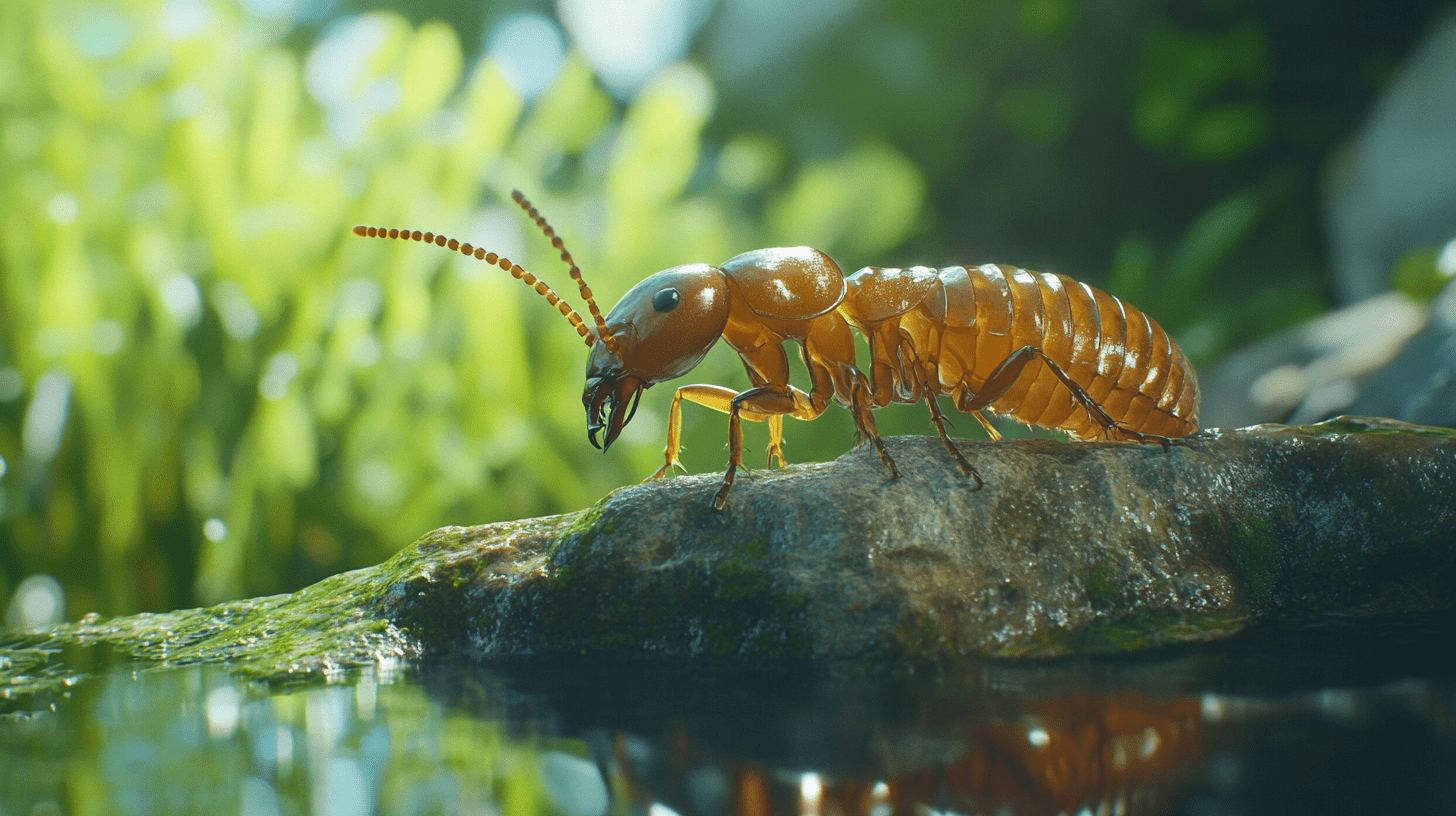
[1068, 547]
[1389, 192]
[1393, 188]
[1419, 385]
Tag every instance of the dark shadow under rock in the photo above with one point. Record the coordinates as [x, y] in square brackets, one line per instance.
[1068, 547]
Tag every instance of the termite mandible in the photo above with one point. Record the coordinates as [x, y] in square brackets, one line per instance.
[1041, 348]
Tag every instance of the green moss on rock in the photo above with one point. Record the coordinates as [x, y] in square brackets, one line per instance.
[1103, 591]
[1372, 425]
[1131, 633]
[597, 602]
[1254, 558]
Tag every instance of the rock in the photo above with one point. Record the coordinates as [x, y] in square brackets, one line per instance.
[1068, 547]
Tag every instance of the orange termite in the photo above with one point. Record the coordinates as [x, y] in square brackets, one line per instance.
[1041, 348]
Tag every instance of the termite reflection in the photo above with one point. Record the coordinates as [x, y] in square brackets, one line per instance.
[1102, 755]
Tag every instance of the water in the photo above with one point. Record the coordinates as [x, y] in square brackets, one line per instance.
[1325, 715]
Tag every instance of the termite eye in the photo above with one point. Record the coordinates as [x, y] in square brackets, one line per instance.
[666, 300]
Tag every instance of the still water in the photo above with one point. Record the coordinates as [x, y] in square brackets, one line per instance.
[1324, 715]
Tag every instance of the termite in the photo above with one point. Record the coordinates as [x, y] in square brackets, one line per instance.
[1039, 347]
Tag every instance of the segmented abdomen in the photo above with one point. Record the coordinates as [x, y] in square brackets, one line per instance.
[1120, 357]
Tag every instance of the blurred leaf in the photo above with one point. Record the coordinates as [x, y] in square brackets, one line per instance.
[1040, 115]
[573, 111]
[1210, 238]
[1047, 19]
[1416, 275]
[749, 162]
[1132, 268]
[288, 442]
[431, 69]
[1226, 132]
[856, 206]
[1186, 79]
[655, 155]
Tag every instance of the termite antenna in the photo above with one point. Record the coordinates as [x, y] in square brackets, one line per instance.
[492, 258]
[575, 271]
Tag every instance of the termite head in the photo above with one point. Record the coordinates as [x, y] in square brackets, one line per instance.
[661, 329]
[658, 331]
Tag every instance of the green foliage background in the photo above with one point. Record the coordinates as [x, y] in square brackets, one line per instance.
[253, 399]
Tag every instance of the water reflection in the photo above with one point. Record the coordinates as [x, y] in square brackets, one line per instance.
[1085, 753]
[1228, 729]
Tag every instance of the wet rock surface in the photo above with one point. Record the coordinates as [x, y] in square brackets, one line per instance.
[1068, 547]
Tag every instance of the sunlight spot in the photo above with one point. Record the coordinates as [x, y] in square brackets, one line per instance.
[377, 481]
[63, 208]
[224, 711]
[1213, 708]
[107, 337]
[1280, 387]
[365, 350]
[1332, 397]
[259, 798]
[382, 96]
[341, 56]
[574, 785]
[186, 101]
[811, 793]
[184, 19]
[214, 530]
[366, 697]
[1038, 737]
[239, 319]
[1446, 261]
[326, 715]
[361, 298]
[342, 789]
[39, 602]
[45, 417]
[628, 42]
[101, 32]
[1339, 704]
[529, 49]
[278, 374]
[181, 299]
[1151, 742]
[498, 230]
[284, 739]
[275, 8]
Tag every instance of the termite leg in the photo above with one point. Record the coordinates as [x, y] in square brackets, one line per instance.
[674, 439]
[735, 456]
[986, 423]
[963, 400]
[776, 439]
[719, 399]
[762, 404]
[938, 417]
[1005, 376]
[865, 423]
